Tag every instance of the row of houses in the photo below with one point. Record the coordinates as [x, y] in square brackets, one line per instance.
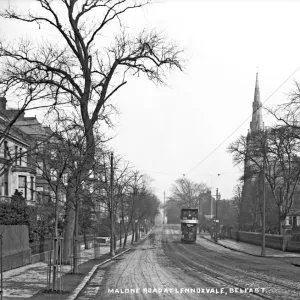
[18, 169]
[29, 165]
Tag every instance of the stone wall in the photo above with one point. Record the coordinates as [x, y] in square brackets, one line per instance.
[272, 241]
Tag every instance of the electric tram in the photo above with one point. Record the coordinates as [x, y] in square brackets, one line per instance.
[189, 223]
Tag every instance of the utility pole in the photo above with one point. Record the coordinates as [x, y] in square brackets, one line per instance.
[216, 218]
[263, 244]
[199, 214]
[164, 216]
[211, 206]
[217, 196]
[112, 244]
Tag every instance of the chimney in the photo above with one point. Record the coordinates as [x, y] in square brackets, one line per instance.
[3, 104]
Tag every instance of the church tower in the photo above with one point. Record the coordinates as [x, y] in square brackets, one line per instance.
[256, 125]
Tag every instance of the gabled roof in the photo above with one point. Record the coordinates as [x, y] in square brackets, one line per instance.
[31, 126]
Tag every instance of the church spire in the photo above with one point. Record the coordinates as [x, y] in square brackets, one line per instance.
[257, 123]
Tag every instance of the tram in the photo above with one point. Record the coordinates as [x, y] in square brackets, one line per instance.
[189, 223]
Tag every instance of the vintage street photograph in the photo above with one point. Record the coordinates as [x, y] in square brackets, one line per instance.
[149, 149]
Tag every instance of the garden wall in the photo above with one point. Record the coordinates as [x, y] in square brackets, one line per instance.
[15, 248]
[272, 241]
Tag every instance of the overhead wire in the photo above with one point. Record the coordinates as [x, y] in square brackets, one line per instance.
[209, 174]
[241, 124]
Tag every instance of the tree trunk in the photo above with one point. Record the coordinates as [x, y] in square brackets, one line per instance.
[79, 175]
[136, 231]
[285, 236]
[76, 243]
[68, 234]
[279, 221]
[133, 233]
[86, 246]
[115, 241]
[55, 245]
[125, 240]
[126, 230]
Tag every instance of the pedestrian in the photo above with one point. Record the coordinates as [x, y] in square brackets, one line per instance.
[152, 239]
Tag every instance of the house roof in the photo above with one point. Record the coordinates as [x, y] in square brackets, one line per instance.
[31, 126]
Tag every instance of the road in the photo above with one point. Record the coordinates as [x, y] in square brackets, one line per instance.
[163, 268]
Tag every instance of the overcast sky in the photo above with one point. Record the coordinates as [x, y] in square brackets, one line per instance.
[186, 127]
[183, 129]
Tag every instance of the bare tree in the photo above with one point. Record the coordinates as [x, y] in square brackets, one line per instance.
[187, 193]
[52, 162]
[80, 72]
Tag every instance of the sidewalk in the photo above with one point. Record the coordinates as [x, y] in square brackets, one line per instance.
[31, 280]
[254, 250]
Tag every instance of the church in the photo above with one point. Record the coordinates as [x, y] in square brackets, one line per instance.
[251, 206]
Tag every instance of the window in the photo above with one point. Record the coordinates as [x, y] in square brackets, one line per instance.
[20, 158]
[25, 158]
[65, 178]
[16, 155]
[31, 188]
[23, 185]
[63, 197]
[2, 148]
[6, 182]
[53, 174]
[298, 221]
[5, 149]
[97, 206]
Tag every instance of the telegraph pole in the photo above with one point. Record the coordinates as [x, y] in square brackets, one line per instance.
[216, 218]
[199, 214]
[217, 196]
[112, 244]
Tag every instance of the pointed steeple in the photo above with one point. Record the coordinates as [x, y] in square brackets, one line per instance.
[257, 123]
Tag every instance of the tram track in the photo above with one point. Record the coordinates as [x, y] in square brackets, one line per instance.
[181, 252]
[220, 265]
[249, 274]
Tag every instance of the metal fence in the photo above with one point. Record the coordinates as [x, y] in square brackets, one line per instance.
[44, 245]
